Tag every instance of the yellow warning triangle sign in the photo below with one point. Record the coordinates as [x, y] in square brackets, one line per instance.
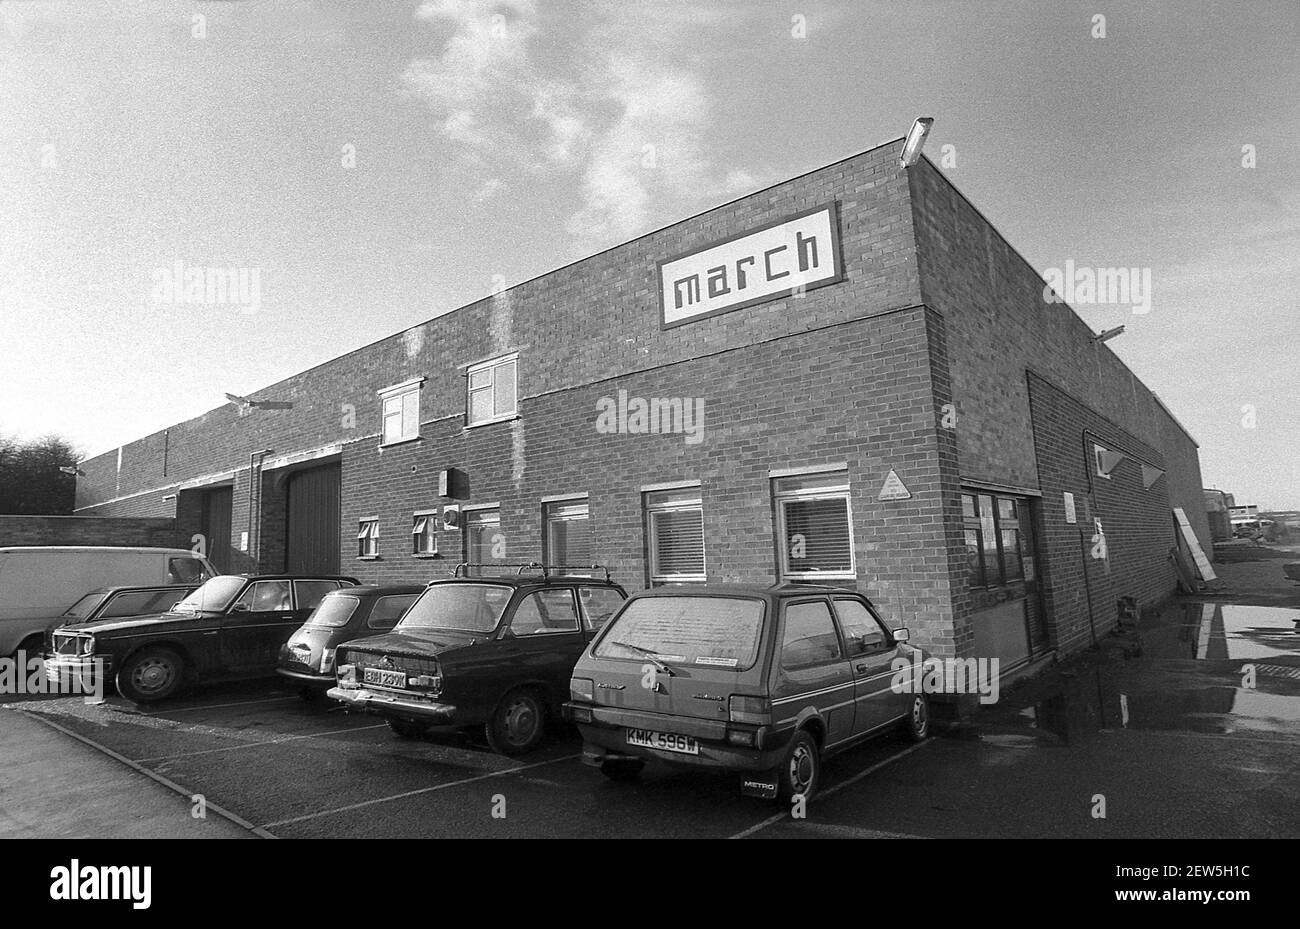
[894, 488]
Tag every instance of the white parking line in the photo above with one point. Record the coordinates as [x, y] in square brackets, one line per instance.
[188, 795]
[772, 820]
[259, 743]
[414, 793]
[221, 706]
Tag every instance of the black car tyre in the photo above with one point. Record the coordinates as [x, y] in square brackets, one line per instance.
[622, 769]
[151, 674]
[407, 729]
[918, 718]
[517, 724]
[801, 770]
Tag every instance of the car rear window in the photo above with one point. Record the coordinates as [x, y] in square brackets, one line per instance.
[468, 607]
[722, 632]
[335, 610]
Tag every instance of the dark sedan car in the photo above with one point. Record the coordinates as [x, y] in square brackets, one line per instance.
[308, 657]
[494, 652]
[232, 626]
[114, 602]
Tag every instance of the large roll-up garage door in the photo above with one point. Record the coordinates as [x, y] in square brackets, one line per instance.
[313, 530]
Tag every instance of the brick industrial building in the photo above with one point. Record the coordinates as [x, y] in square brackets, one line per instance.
[849, 376]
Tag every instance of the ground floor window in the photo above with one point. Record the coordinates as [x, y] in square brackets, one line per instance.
[993, 551]
[485, 543]
[567, 533]
[424, 534]
[368, 538]
[814, 526]
[675, 536]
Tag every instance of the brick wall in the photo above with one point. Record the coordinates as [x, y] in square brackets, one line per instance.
[582, 324]
[91, 530]
[1136, 521]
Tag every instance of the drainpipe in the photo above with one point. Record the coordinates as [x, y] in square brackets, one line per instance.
[255, 459]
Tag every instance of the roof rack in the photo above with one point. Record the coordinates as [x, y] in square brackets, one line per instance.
[548, 570]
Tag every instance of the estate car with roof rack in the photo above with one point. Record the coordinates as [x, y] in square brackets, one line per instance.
[232, 626]
[491, 651]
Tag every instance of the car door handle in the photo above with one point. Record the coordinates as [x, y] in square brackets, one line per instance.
[212, 632]
[861, 667]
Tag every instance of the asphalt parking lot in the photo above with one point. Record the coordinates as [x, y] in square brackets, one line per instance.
[297, 770]
[1159, 722]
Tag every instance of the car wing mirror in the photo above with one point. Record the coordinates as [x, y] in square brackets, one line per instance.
[901, 635]
[239, 608]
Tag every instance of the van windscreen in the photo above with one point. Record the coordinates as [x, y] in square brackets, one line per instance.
[720, 632]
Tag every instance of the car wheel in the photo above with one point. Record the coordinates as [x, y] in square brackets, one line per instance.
[407, 729]
[151, 674]
[918, 718]
[801, 770]
[622, 769]
[517, 724]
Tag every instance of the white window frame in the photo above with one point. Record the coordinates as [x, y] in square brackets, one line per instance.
[491, 513]
[398, 393]
[549, 516]
[430, 521]
[490, 367]
[835, 492]
[1097, 452]
[368, 532]
[693, 503]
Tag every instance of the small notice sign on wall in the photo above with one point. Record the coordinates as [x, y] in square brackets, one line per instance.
[894, 488]
[1070, 516]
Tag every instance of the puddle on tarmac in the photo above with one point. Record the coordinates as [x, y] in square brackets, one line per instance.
[1226, 631]
[1157, 693]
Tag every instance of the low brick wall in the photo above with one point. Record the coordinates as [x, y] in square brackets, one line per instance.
[90, 530]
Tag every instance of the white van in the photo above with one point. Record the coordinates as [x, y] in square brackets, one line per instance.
[38, 583]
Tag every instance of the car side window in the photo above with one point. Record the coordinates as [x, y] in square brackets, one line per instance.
[545, 611]
[809, 637]
[267, 597]
[185, 571]
[311, 593]
[599, 604]
[139, 602]
[388, 610]
[862, 630]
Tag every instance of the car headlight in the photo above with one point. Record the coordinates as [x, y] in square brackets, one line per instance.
[88, 645]
[580, 688]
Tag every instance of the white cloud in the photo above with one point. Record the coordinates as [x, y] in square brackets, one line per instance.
[629, 120]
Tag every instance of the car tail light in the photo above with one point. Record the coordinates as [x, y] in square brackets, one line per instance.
[326, 660]
[347, 675]
[741, 737]
[755, 710]
[580, 688]
[430, 682]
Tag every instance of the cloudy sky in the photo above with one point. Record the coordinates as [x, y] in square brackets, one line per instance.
[380, 163]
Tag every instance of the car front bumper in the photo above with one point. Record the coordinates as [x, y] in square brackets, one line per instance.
[308, 677]
[87, 667]
[386, 703]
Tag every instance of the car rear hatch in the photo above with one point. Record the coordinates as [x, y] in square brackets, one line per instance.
[681, 663]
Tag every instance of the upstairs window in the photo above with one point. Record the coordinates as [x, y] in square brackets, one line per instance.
[492, 390]
[401, 412]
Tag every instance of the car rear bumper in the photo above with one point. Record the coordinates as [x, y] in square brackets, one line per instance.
[391, 704]
[604, 737]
